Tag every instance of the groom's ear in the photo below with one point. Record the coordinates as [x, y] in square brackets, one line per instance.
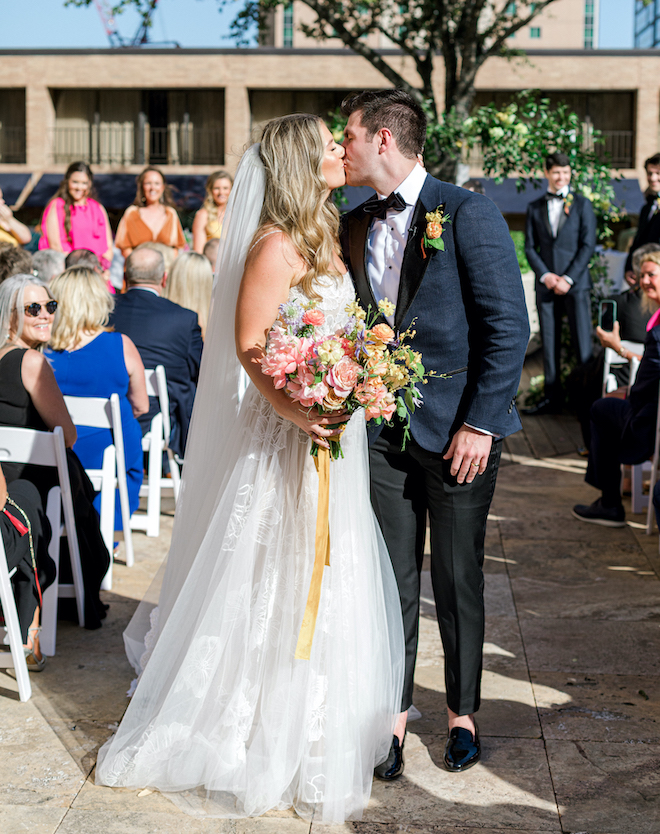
[385, 140]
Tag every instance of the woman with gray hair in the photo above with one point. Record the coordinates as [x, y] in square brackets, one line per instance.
[48, 264]
[30, 398]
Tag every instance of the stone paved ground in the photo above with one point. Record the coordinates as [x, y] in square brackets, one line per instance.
[570, 722]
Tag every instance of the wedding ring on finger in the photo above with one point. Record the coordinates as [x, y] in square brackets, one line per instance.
[476, 465]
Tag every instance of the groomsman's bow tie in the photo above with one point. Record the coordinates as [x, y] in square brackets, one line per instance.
[378, 208]
[550, 196]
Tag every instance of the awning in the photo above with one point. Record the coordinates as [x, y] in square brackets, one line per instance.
[117, 191]
[12, 185]
[510, 201]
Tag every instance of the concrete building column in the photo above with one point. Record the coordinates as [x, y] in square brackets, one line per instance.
[647, 138]
[39, 124]
[237, 124]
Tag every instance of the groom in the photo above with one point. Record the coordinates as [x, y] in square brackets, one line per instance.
[470, 318]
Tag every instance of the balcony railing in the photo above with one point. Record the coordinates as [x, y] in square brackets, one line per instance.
[12, 144]
[619, 144]
[130, 144]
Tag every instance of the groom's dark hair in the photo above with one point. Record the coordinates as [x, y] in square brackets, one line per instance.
[396, 110]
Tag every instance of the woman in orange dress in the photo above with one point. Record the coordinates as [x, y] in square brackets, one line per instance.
[208, 220]
[152, 217]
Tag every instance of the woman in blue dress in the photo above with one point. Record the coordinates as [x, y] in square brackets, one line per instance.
[89, 360]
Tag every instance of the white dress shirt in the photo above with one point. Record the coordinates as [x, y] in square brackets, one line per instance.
[387, 240]
[555, 208]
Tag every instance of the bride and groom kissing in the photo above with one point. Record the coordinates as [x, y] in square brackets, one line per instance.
[224, 719]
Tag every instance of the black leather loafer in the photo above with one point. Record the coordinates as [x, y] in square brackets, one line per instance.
[462, 749]
[393, 765]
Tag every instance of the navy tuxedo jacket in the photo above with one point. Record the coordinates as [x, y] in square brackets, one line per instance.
[648, 231]
[169, 335]
[468, 309]
[644, 393]
[567, 254]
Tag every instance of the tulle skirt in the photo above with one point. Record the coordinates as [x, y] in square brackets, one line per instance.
[224, 720]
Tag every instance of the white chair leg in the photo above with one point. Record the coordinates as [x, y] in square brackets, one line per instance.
[108, 480]
[155, 473]
[49, 611]
[175, 472]
[13, 630]
[638, 502]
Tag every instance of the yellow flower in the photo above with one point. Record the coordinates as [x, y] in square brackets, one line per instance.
[386, 307]
[354, 309]
[330, 352]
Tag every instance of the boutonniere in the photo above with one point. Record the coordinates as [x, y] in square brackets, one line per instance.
[569, 199]
[435, 226]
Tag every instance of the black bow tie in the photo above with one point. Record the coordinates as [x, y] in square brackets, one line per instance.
[550, 196]
[378, 208]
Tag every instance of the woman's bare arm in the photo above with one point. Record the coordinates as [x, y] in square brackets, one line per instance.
[53, 229]
[199, 230]
[271, 269]
[137, 386]
[40, 383]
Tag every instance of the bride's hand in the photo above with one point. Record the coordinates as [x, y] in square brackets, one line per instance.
[318, 426]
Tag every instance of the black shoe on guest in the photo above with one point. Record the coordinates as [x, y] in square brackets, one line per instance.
[546, 406]
[462, 750]
[393, 765]
[596, 513]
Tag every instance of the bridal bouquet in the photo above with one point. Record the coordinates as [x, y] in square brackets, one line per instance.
[363, 365]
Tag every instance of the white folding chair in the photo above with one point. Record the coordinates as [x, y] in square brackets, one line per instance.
[44, 448]
[613, 358]
[15, 656]
[101, 413]
[155, 442]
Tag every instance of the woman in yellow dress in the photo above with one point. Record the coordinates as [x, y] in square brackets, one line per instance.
[208, 220]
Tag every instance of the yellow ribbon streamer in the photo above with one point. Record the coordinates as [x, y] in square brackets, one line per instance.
[321, 556]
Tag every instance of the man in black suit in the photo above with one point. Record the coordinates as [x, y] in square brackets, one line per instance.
[164, 334]
[648, 229]
[560, 238]
[469, 314]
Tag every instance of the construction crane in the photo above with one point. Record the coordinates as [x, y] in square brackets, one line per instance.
[141, 37]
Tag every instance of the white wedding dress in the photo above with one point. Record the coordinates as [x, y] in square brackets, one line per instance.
[224, 720]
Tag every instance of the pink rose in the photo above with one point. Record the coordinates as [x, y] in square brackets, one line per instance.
[343, 376]
[383, 405]
[314, 317]
[284, 355]
[305, 391]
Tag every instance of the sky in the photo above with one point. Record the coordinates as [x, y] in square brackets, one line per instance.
[193, 23]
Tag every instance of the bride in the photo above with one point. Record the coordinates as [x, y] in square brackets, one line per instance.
[225, 720]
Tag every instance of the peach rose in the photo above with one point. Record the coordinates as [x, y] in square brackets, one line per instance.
[433, 231]
[315, 317]
[332, 402]
[343, 376]
[383, 332]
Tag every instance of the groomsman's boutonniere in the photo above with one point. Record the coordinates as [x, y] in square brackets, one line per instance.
[569, 199]
[435, 226]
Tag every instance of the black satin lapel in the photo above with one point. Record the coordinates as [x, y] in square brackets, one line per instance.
[414, 264]
[563, 217]
[546, 219]
[357, 242]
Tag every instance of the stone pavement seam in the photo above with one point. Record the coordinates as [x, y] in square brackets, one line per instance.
[529, 677]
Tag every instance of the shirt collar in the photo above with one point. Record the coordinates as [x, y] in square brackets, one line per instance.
[144, 289]
[411, 187]
[563, 192]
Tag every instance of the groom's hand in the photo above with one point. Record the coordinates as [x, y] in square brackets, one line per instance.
[469, 452]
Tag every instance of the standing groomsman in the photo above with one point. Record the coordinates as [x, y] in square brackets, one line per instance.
[648, 229]
[560, 238]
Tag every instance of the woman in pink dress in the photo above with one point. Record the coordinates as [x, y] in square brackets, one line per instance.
[73, 220]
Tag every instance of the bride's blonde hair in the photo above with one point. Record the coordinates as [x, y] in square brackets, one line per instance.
[292, 152]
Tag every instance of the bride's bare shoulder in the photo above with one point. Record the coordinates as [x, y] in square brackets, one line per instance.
[274, 247]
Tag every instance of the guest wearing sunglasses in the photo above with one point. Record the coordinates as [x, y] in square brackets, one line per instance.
[30, 398]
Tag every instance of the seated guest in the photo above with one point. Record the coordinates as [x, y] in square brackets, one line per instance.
[14, 261]
[73, 219]
[12, 231]
[189, 284]
[152, 217]
[30, 398]
[47, 263]
[211, 251]
[648, 228]
[169, 254]
[25, 534]
[83, 257]
[623, 431]
[164, 334]
[80, 345]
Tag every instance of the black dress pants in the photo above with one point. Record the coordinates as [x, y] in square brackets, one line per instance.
[405, 486]
[17, 548]
[617, 436]
[551, 309]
